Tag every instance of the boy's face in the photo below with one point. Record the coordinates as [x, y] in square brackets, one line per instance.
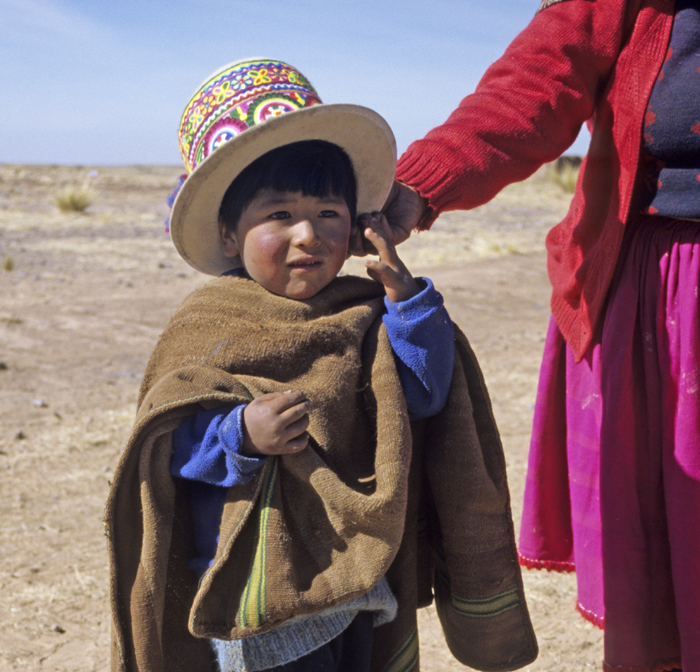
[292, 245]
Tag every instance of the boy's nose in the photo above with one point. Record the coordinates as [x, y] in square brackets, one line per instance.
[305, 233]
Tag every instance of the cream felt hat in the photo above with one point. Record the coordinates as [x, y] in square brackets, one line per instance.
[243, 111]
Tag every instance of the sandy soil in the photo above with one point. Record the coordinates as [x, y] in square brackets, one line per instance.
[83, 298]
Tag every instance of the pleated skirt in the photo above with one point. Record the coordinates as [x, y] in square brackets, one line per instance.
[613, 483]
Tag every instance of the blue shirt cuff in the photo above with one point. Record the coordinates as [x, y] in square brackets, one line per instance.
[231, 437]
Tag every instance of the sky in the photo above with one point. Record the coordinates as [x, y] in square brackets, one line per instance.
[93, 82]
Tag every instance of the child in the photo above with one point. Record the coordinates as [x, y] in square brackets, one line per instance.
[288, 226]
[266, 511]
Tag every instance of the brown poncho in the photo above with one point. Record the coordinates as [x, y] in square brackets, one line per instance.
[425, 504]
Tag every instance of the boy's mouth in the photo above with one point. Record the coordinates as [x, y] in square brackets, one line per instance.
[305, 264]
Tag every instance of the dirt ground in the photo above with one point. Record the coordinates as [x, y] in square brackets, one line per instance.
[83, 298]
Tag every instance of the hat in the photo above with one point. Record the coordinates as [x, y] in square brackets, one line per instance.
[243, 111]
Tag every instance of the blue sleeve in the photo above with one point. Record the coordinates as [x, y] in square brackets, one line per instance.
[206, 448]
[421, 335]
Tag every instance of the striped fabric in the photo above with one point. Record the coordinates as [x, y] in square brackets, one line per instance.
[406, 657]
[253, 609]
[486, 607]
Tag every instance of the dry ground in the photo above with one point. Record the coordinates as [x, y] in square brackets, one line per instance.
[83, 298]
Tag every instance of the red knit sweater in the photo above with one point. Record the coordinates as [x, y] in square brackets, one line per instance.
[577, 61]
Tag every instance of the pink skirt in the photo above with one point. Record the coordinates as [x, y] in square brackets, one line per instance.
[613, 483]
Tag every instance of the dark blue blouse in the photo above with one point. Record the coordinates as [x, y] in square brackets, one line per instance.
[671, 152]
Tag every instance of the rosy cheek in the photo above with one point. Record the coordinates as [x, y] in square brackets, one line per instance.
[266, 248]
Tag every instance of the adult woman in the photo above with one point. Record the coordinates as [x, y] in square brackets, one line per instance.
[614, 476]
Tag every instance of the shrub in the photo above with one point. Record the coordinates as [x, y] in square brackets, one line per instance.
[75, 199]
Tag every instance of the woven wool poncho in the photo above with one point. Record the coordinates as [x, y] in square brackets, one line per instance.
[424, 504]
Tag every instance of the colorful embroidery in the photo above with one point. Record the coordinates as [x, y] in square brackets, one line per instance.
[406, 658]
[235, 98]
[546, 3]
[252, 611]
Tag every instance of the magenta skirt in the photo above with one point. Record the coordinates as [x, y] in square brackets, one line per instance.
[613, 483]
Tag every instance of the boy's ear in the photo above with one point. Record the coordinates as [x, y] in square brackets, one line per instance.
[228, 240]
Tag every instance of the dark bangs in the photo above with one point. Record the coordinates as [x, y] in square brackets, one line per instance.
[312, 167]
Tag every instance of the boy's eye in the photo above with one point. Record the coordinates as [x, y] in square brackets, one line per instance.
[328, 213]
[280, 214]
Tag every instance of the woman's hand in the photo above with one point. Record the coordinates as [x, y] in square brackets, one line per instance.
[276, 423]
[404, 209]
[389, 269]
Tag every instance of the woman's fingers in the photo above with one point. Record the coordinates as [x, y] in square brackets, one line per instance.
[404, 210]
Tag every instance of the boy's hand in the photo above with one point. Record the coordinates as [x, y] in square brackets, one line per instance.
[275, 424]
[389, 269]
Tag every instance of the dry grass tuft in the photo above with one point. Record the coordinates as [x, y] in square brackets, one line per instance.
[564, 172]
[8, 264]
[75, 199]
[485, 247]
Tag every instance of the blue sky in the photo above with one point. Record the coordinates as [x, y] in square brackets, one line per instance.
[97, 82]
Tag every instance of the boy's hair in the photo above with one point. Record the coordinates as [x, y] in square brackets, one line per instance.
[312, 167]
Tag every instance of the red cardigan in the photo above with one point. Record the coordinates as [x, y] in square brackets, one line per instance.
[577, 61]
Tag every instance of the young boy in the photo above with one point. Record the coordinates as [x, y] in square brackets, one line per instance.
[287, 219]
[266, 510]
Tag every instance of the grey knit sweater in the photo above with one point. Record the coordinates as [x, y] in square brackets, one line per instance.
[299, 636]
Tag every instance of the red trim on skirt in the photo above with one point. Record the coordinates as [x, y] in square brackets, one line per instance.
[549, 565]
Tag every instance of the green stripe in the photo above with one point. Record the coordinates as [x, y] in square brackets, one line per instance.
[479, 607]
[486, 607]
[406, 658]
[252, 611]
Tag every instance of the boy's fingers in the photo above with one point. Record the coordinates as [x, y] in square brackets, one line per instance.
[296, 425]
[380, 235]
[297, 444]
[376, 230]
[282, 401]
[290, 415]
[381, 244]
[379, 268]
[294, 418]
[389, 270]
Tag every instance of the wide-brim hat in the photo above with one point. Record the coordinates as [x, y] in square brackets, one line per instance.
[243, 111]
